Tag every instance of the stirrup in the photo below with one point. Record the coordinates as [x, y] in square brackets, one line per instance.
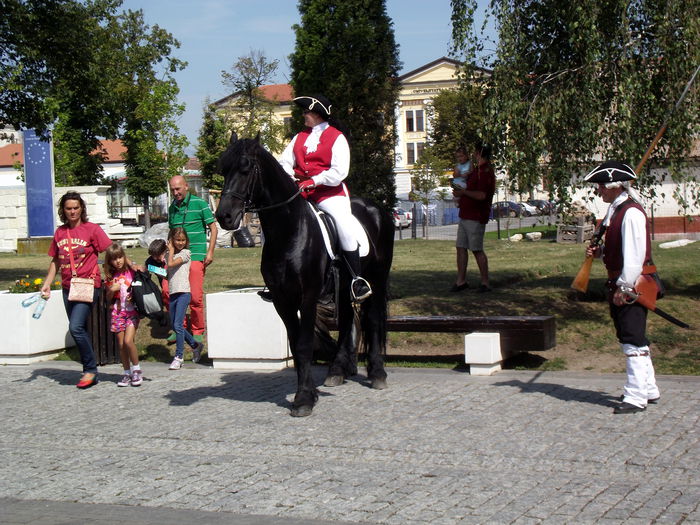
[363, 293]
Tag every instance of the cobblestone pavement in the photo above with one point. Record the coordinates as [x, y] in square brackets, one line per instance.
[438, 447]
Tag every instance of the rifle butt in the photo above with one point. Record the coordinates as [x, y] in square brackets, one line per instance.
[580, 282]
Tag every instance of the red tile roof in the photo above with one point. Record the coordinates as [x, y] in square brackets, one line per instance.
[10, 154]
[114, 150]
[13, 153]
[278, 92]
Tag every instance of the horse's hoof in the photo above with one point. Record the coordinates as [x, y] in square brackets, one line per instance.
[379, 384]
[334, 380]
[301, 411]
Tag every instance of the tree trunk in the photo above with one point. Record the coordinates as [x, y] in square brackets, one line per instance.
[146, 214]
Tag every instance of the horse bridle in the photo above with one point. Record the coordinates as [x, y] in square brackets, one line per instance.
[247, 203]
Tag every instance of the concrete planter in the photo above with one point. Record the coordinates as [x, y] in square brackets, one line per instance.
[28, 340]
[244, 332]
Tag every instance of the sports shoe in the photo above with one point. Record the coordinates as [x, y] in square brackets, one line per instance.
[171, 338]
[483, 288]
[125, 380]
[176, 364]
[197, 353]
[136, 377]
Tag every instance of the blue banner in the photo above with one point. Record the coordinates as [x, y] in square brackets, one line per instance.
[38, 178]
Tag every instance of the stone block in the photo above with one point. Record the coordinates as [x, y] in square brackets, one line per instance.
[244, 332]
[482, 352]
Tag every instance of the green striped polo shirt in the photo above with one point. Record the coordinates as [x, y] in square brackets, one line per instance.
[193, 214]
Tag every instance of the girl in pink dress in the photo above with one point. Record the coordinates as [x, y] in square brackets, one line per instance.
[125, 318]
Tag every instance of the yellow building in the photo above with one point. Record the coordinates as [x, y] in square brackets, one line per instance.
[418, 88]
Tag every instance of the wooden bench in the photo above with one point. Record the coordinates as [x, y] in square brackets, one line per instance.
[489, 339]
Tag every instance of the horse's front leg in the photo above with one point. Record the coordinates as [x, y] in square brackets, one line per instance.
[300, 332]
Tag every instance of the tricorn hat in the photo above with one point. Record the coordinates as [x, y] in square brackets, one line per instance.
[317, 103]
[611, 171]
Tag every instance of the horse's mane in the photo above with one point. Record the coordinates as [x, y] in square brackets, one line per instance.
[247, 148]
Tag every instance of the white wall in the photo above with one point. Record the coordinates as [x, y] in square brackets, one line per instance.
[13, 211]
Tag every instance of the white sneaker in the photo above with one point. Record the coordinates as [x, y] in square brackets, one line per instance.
[176, 364]
[125, 380]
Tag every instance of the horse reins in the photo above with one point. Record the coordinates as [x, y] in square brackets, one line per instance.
[247, 204]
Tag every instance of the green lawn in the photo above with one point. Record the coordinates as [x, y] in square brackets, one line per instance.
[529, 278]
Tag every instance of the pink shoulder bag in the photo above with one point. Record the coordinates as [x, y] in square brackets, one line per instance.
[82, 289]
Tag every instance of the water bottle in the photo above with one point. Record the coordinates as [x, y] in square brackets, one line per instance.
[39, 308]
[31, 299]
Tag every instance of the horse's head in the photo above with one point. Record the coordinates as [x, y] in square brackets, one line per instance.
[241, 171]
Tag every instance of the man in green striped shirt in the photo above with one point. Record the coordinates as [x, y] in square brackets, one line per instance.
[194, 215]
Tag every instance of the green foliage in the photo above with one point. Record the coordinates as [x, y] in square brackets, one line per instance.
[251, 114]
[149, 101]
[428, 174]
[345, 50]
[457, 118]
[48, 55]
[572, 82]
[91, 73]
[211, 144]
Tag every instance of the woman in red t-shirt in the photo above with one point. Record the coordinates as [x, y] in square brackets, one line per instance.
[82, 241]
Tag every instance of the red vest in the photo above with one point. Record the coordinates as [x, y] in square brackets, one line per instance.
[612, 256]
[306, 165]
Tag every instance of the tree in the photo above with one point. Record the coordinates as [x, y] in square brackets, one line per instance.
[251, 114]
[212, 142]
[149, 101]
[345, 49]
[431, 172]
[54, 63]
[574, 82]
[457, 119]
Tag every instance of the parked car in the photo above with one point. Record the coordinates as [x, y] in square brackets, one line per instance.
[544, 207]
[506, 209]
[401, 219]
[528, 209]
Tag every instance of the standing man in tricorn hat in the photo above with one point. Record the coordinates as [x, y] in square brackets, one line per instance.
[318, 158]
[627, 255]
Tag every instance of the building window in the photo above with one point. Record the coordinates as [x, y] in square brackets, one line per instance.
[414, 120]
[414, 150]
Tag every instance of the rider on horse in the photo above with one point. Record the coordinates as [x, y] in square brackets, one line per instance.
[318, 158]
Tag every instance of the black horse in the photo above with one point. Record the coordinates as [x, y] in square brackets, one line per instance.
[295, 265]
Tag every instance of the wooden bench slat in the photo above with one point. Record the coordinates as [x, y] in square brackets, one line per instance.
[517, 333]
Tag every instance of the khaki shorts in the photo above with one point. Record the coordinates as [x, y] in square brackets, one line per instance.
[470, 235]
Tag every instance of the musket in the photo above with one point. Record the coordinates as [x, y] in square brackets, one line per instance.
[580, 282]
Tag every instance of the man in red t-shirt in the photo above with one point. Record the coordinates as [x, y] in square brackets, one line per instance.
[474, 210]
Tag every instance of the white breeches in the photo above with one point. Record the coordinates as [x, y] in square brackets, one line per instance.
[641, 382]
[349, 227]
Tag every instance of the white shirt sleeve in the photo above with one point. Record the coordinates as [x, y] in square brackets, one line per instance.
[340, 164]
[634, 246]
[287, 158]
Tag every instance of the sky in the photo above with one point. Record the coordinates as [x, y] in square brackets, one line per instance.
[214, 33]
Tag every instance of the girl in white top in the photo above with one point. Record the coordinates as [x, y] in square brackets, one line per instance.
[178, 264]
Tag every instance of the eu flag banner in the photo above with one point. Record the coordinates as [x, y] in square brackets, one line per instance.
[38, 178]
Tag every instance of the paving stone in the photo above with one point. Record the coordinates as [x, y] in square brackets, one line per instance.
[438, 446]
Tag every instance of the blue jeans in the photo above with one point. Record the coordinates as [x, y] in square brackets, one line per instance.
[178, 307]
[77, 326]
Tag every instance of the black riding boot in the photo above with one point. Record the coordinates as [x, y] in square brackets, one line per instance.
[359, 287]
